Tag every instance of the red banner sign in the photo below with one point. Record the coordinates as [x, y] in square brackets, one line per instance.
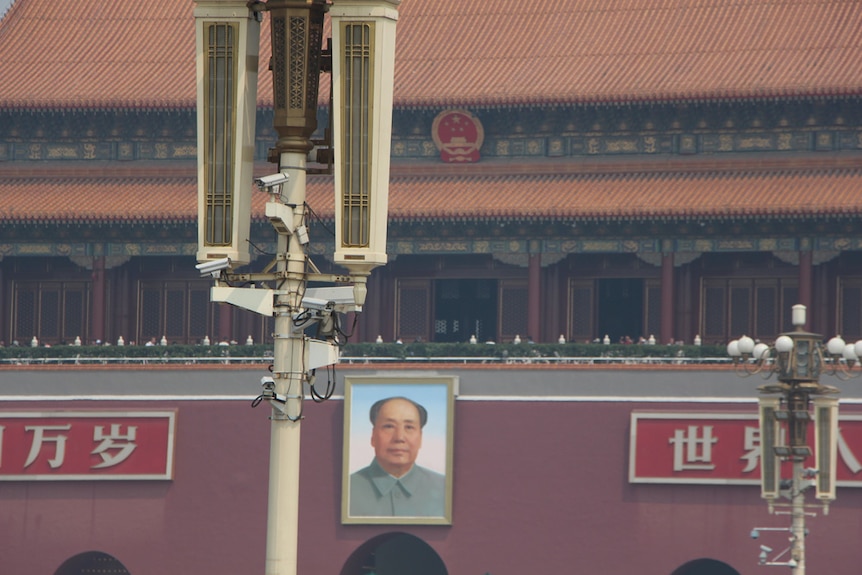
[86, 445]
[721, 448]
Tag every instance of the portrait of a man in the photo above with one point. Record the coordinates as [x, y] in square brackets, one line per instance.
[387, 423]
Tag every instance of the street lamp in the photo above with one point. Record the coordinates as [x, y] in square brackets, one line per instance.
[363, 55]
[227, 41]
[797, 359]
[363, 67]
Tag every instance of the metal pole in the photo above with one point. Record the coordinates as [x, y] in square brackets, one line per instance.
[799, 358]
[797, 526]
[289, 376]
[797, 401]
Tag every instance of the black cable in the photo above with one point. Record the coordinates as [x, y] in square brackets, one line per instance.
[257, 400]
[330, 376]
[301, 402]
[258, 249]
[298, 417]
[302, 318]
[317, 397]
[320, 221]
[260, 398]
[330, 387]
[346, 336]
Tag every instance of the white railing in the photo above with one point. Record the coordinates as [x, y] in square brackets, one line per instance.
[347, 360]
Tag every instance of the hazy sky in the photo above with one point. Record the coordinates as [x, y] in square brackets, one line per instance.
[4, 5]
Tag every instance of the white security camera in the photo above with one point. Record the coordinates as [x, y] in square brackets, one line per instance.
[271, 181]
[766, 549]
[317, 304]
[755, 533]
[792, 563]
[213, 267]
[340, 298]
[268, 385]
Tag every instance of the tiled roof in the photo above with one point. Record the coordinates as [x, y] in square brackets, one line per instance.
[89, 54]
[630, 196]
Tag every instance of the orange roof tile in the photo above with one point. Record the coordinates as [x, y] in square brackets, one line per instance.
[84, 53]
[610, 196]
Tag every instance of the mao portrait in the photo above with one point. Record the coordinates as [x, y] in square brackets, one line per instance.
[398, 450]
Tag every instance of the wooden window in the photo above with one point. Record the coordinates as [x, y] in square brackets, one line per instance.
[74, 311]
[513, 310]
[179, 310]
[412, 307]
[652, 307]
[767, 312]
[850, 308]
[712, 324]
[581, 306]
[740, 309]
[53, 311]
[757, 307]
[199, 313]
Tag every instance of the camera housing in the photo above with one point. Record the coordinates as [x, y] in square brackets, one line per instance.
[213, 267]
[268, 385]
[265, 182]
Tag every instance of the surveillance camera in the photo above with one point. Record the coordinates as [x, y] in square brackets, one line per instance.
[340, 299]
[766, 549]
[268, 385]
[213, 267]
[755, 533]
[810, 473]
[271, 181]
[792, 563]
[317, 304]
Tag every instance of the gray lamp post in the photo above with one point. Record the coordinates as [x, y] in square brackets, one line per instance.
[227, 75]
[797, 359]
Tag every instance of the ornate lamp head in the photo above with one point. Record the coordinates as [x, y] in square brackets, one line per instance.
[363, 69]
[227, 40]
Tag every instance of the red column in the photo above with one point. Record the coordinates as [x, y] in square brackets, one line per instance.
[98, 322]
[534, 307]
[667, 297]
[805, 281]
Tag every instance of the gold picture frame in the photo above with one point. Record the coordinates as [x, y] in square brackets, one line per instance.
[398, 471]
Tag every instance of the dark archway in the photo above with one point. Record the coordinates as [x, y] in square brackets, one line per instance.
[621, 308]
[705, 567]
[394, 554]
[465, 307]
[90, 563]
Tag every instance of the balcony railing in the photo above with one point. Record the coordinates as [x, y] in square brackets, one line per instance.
[365, 353]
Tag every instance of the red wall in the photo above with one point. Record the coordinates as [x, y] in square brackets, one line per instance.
[540, 487]
[210, 519]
